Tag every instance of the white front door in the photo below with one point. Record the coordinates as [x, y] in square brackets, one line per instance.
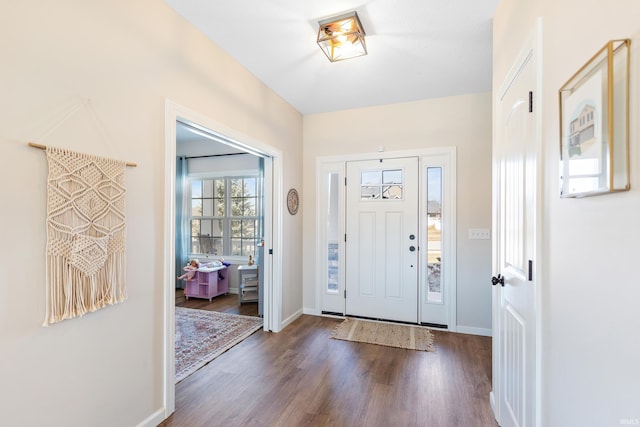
[515, 160]
[382, 239]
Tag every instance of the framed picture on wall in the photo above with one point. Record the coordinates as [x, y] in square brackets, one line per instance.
[594, 125]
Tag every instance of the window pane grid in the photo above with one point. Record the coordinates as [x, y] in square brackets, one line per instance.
[210, 223]
[381, 184]
[207, 198]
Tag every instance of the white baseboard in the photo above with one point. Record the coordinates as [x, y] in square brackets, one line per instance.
[290, 319]
[310, 311]
[474, 331]
[492, 402]
[154, 419]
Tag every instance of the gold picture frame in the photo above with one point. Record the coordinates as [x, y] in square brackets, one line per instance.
[594, 124]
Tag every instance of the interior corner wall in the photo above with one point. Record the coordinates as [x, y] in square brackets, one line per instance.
[460, 121]
[122, 59]
[589, 288]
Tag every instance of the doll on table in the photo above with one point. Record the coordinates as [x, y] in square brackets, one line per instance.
[190, 270]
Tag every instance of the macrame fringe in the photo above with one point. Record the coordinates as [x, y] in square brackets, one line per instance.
[71, 293]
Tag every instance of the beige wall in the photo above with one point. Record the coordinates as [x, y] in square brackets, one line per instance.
[105, 368]
[590, 248]
[461, 121]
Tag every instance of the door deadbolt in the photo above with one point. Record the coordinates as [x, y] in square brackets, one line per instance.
[412, 248]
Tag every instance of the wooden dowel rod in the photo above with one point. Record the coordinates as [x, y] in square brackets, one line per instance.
[44, 147]
[40, 146]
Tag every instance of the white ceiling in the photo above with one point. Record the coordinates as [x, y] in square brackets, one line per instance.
[418, 49]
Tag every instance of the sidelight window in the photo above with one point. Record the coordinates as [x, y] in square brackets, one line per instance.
[434, 234]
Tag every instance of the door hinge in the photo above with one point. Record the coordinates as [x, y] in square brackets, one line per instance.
[270, 251]
[345, 181]
[530, 101]
[345, 294]
[530, 271]
[345, 237]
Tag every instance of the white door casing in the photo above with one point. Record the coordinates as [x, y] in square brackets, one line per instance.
[381, 258]
[514, 252]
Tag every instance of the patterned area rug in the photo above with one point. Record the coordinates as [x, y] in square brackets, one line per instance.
[203, 335]
[389, 334]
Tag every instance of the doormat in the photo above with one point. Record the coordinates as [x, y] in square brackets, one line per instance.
[381, 333]
[203, 335]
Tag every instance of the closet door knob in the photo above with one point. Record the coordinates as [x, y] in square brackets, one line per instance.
[499, 279]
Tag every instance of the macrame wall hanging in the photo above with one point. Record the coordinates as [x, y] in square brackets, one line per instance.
[86, 228]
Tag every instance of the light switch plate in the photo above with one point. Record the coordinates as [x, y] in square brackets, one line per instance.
[479, 234]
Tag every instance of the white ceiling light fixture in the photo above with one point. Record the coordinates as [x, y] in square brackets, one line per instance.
[342, 37]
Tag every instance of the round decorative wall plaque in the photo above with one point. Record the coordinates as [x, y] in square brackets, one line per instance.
[293, 201]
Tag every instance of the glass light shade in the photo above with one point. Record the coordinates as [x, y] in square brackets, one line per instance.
[342, 37]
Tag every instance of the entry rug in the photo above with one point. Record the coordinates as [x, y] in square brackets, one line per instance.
[389, 334]
[203, 335]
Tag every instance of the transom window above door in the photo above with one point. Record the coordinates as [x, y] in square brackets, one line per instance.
[382, 184]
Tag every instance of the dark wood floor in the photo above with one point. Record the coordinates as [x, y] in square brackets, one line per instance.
[301, 377]
[223, 303]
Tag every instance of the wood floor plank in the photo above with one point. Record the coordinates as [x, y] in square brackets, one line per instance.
[222, 303]
[301, 377]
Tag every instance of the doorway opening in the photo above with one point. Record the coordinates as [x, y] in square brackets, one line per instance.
[219, 223]
[387, 236]
[269, 224]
